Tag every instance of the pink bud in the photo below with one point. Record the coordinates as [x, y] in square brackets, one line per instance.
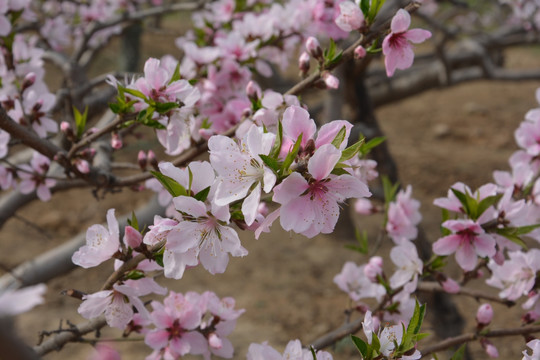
[450, 286]
[374, 268]
[152, 159]
[82, 166]
[484, 314]
[303, 62]
[28, 80]
[490, 349]
[214, 341]
[330, 80]
[132, 237]
[65, 127]
[142, 160]
[116, 142]
[253, 90]
[262, 209]
[359, 52]
[314, 48]
[363, 206]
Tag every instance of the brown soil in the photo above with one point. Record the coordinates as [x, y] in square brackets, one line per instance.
[285, 283]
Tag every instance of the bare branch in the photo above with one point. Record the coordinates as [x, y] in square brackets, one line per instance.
[432, 286]
[461, 339]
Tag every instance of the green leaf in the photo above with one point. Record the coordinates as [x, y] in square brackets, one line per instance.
[203, 194]
[115, 108]
[340, 136]
[272, 163]
[159, 258]
[511, 234]
[409, 338]
[164, 108]
[339, 171]
[470, 205]
[80, 120]
[276, 149]
[375, 342]
[522, 230]
[133, 222]
[364, 6]
[291, 155]
[374, 9]
[487, 202]
[135, 275]
[171, 185]
[438, 262]
[389, 189]
[460, 353]
[367, 147]
[190, 181]
[362, 240]
[352, 150]
[176, 75]
[445, 216]
[135, 93]
[361, 345]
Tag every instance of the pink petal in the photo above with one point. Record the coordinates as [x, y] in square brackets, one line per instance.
[190, 206]
[466, 257]
[484, 245]
[250, 205]
[401, 21]
[322, 163]
[297, 215]
[447, 245]
[290, 188]
[417, 35]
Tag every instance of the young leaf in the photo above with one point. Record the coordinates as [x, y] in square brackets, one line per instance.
[135, 275]
[171, 185]
[352, 150]
[512, 235]
[389, 190]
[374, 9]
[487, 202]
[134, 223]
[135, 93]
[340, 136]
[276, 149]
[364, 6]
[80, 120]
[460, 353]
[176, 75]
[291, 155]
[361, 346]
[367, 147]
[203, 194]
[190, 182]
[313, 353]
[271, 162]
[164, 108]
[470, 205]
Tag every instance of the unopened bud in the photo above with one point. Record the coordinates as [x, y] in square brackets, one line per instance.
[142, 160]
[374, 268]
[490, 349]
[152, 160]
[83, 166]
[314, 48]
[253, 90]
[450, 286]
[330, 80]
[132, 237]
[303, 62]
[359, 52]
[484, 314]
[214, 341]
[28, 80]
[363, 207]
[116, 142]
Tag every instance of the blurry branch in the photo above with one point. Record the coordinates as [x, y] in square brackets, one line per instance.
[432, 286]
[458, 340]
[131, 17]
[58, 262]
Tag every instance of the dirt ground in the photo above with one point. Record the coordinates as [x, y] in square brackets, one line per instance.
[285, 283]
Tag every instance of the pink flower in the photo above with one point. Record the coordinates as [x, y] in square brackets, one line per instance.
[101, 243]
[534, 345]
[33, 177]
[403, 216]
[409, 265]
[353, 281]
[312, 207]
[468, 241]
[396, 48]
[350, 16]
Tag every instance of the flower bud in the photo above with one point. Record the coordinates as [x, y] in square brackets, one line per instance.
[132, 237]
[490, 349]
[314, 48]
[363, 207]
[303, 62]
[152, 160]
[66, 128]
[82, 166]
[116, 142]
[253, 90]
[214, 341]
[359, 52]
[484, 314]
[28, 80]
[330, 80]
[142, 160]
[374, 268]
[450, 286]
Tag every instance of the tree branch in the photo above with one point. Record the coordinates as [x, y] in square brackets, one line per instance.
[432, 286]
